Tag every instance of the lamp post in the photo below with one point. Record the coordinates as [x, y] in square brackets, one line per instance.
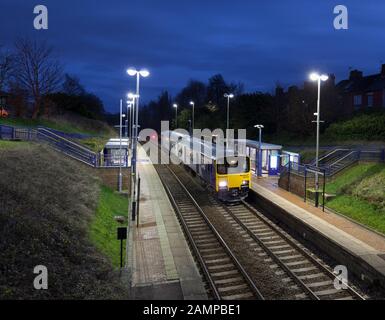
[259, 171]
[176, 115]
[193, 111]
[142, 73]
[130, 111]
[228, 96]
[317, 77]
[120, 147]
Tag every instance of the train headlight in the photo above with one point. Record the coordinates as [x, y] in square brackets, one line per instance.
[222, 184]
[245, 182]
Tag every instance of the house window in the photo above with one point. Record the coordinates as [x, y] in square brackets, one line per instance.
[357, 100]
[370, 100]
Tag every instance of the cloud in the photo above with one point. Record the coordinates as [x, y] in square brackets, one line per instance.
[254, 42]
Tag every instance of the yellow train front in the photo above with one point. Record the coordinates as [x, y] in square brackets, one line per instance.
[232, 178]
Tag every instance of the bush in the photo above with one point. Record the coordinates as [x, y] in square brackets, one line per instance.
[362, 127]
[372, 189]
[46, 205]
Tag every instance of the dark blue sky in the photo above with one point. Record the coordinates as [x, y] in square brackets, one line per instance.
[254, 42]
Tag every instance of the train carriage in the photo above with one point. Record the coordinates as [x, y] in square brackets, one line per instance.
[225, 172]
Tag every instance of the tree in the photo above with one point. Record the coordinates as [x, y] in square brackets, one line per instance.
[216, 89]
[6, 64]
[194, 91]
[36, 71]
[72, 86]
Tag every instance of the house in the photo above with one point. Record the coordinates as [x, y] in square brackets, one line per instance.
[362, 92]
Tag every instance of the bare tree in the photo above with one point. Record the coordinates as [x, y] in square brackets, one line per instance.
[36, 71]
[6, 64]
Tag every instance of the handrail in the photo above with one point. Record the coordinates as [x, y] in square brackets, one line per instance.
[330, 153]
[339, 160]
[64, 139]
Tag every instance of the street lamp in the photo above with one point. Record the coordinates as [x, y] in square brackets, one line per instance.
[120, 147]
[228, 96]
[128, 121]
[259, 171]
[176, 115]
[132, 73]
[193, 111]
[131, 105]
[317, 77]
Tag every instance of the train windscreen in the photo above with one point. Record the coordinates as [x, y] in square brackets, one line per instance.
[234, 165]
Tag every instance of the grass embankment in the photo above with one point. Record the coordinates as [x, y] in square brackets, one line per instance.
[66, 123]
[7, 145]
[103, 227]
[98, 132]
[47, 208]
[360, 195]
[361, 129]
[96, 144]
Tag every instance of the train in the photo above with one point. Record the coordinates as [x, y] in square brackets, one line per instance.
[228, 174]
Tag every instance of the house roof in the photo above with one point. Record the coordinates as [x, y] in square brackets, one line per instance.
[375, 82]
[115, 143]
[265, 146]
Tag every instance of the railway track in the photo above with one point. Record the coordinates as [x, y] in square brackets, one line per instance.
[285, 255]
[226, 277]
[308, 272]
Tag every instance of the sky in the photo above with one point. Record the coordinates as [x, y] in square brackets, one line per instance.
[257, 43]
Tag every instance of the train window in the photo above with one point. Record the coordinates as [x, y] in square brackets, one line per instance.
[234, 165]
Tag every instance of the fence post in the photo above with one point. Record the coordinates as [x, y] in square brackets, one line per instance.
[288, 176]
[324, 190]
[304, 199]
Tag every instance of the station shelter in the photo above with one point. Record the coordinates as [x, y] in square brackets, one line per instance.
[292, 157]
[115, 153]
[265, 158]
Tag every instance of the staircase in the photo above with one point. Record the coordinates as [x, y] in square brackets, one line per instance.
[55, 140]
[337, 164]
[68, 147]
[332, 157]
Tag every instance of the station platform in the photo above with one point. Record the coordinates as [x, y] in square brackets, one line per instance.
[159, 260]
[362, 250]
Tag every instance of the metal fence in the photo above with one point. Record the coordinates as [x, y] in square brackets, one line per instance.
[338, 164]
[64, 145]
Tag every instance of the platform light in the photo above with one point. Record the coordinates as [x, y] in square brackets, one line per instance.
[315, 77]
[132, 96]
[144, 73]
[319, 78]
[192, 103]
[176, 114]
[133, 72]
[141, 73]
[228, 96]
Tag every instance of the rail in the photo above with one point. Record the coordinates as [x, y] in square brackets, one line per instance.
[217, 235]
